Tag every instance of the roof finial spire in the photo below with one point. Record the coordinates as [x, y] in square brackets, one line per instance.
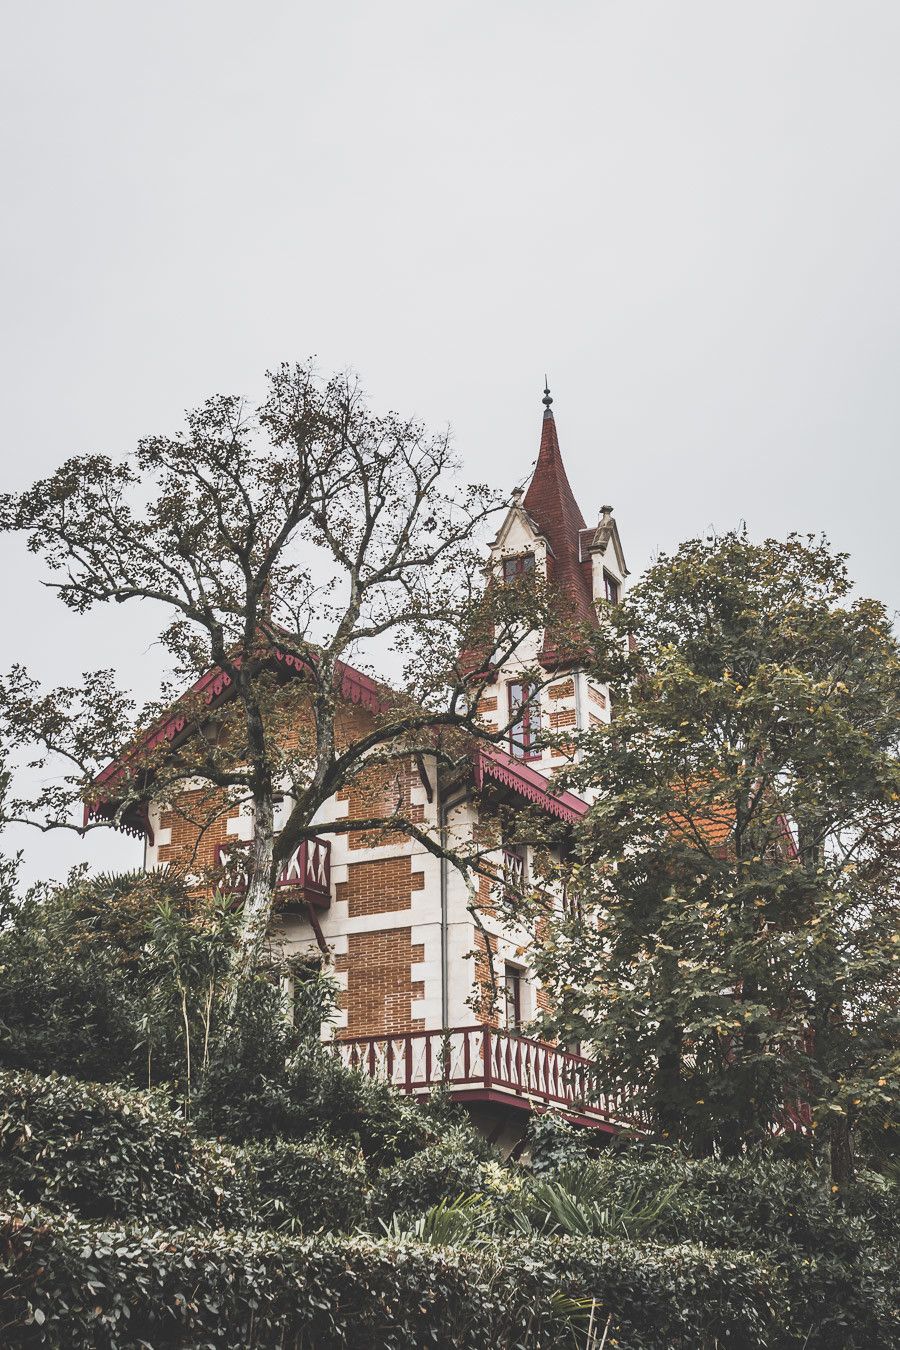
[547, 400]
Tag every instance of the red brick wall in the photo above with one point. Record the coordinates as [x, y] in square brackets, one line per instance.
[199, 824]
[378, 792]
[566, 689]
[379, 887]
[380, 988]
[486, 1009]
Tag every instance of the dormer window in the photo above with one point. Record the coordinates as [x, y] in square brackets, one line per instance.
[518, 566]
[611, 587]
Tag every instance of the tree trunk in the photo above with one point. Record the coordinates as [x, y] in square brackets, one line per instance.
[842, 1170]
[258, 903]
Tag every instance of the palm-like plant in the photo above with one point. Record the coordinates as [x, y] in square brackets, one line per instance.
[575, 1203]
[449, 1223]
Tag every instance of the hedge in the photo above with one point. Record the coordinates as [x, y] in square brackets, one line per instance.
[314, 1093]
[68, 1285]
[305, 1187]
[108, 1152]
[839, 1271]
[682, 1297]
[450, 1167]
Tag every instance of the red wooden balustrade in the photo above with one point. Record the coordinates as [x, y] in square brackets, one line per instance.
[480, 1063]
[307, 870]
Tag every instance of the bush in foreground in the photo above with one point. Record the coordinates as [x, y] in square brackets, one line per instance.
[67, 1283]
[106, 1152]
[305, 1187]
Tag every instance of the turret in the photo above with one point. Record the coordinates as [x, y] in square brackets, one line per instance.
[545, 531]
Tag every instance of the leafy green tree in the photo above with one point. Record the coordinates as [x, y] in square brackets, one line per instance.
[302, 534]
[735, 954]
[73, 977]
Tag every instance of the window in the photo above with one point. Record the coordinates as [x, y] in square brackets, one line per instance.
[611, 588]
[512, 997]
[525, 720]
[518, 566]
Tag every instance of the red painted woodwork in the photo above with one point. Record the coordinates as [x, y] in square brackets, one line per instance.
[525, 720]
[528, 783]
[307, 871]
[514, 868]
[480, 1063]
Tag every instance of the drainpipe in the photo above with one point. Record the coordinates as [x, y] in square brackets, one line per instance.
[444, 816]
[576, 680]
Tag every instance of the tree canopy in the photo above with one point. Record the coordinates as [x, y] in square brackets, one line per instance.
[735, 953]
[302, 534]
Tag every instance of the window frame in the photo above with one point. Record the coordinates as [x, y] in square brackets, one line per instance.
[613, 583]
[513, 980]
[523, 748]
[515, 566]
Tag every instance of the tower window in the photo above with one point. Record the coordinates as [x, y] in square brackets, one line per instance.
[512, 991]
[611, 588]
[525, 721]
[518, 566]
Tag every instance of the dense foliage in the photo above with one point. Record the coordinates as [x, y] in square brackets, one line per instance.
[69, 1284]
[106, 1153]
[305, 1187]
[734, 955]
[123, 1224]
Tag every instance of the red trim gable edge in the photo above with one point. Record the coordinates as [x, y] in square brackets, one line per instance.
[528, 783]
[352, 684]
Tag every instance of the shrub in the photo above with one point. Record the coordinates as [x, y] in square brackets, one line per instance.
[443, 1170]
[306, 1187]
[85, 1287]
[308, 1094]
[109, 1153]
[842, 1290]
[672, 1297]
[554, 1142]
[66, 997]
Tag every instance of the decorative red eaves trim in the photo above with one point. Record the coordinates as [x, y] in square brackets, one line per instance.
[353, 685]
[216, 687]
[527, 783]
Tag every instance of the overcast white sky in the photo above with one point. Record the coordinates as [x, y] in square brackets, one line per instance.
[687, 211]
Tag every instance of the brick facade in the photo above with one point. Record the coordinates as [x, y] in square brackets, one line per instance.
[198, 824]
[382, 886]
[380, 988]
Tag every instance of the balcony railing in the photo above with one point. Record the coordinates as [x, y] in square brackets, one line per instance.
[307, 872]
[514, 869]
[480, 1063]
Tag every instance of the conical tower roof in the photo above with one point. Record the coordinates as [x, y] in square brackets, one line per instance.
[551, 504]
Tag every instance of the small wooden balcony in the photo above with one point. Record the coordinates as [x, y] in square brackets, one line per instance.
[483, 1064]
[305, 875]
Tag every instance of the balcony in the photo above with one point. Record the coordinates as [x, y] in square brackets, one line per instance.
[482, 1064]
[305, 875]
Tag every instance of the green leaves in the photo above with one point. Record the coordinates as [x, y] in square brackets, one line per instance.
[739, 871]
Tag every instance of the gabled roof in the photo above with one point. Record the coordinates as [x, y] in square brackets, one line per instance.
[212, 690]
